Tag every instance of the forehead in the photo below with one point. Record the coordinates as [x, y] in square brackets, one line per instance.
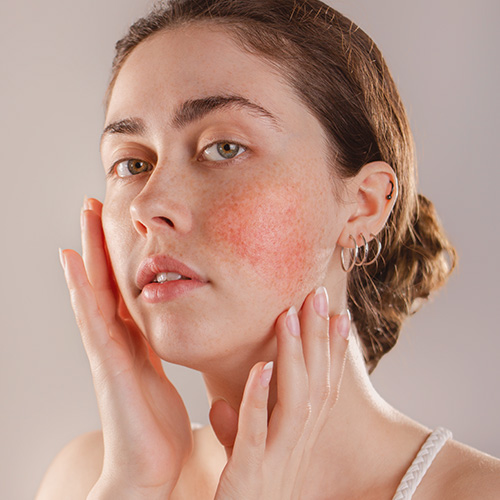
[196, 61]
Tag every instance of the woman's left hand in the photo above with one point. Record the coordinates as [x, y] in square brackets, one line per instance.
[268, 459]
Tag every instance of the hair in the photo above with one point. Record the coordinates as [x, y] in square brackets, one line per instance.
[340, 75]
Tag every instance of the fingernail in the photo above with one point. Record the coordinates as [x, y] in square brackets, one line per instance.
[217, 399]
[292, 322]
[321, 302]
[86, 203]
[266, 374]
[82, 217]
[344, 324]
[62, 259]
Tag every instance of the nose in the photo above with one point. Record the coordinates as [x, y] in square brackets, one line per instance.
[162, 205]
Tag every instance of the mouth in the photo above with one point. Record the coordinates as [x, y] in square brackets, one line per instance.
[163, 269]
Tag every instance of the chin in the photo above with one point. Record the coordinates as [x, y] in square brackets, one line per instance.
[207, 347]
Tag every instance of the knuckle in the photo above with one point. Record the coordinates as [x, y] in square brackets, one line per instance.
[255, 439]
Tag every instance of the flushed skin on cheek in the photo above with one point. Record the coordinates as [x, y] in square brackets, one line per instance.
[267, 229]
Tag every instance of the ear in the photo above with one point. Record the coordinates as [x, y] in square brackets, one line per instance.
[371, 197]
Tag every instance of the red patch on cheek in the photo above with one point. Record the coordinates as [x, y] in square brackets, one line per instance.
[267, 230]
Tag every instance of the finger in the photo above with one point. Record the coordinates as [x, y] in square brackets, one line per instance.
[292, 409]
[250, 442]
[94, 205]
[94, 329]
[224, 421]
[339, 341]
[96, 262]
[314, 322]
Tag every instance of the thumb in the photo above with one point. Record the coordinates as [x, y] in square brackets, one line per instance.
[224, 420]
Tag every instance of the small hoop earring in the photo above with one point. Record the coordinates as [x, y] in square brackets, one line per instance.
[365, 251]
[353, 258]
[379, 249]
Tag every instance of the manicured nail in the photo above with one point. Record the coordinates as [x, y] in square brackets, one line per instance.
[292, 322]
[82, 217]
[62, 259]
[344, 324]
[86, 203]
[266, 374]
[217, 399]
[321, 302]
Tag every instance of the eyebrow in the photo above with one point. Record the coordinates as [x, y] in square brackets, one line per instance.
[191, 111]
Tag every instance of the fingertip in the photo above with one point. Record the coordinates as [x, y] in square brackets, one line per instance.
[62, 259]
[292, 322]
[344, 324]
[86, 205]
[266, 374]
[95, 206]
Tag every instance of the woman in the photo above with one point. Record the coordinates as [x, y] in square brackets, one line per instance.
[260, 185]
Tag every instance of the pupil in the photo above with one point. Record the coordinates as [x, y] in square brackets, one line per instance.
[227, 149]
[135, 166]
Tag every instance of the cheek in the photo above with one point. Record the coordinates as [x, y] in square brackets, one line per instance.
[269, 231]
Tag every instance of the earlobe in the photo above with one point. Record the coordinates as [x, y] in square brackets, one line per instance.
[374, 191]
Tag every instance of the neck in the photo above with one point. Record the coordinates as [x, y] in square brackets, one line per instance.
[364, 434]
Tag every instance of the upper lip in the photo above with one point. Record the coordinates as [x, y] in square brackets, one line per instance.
[153, 265]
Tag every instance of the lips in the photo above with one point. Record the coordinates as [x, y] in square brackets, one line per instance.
[154, 265]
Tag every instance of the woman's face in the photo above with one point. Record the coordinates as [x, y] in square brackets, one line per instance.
[230, 177]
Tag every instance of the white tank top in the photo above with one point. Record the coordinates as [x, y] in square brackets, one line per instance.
[421, 464]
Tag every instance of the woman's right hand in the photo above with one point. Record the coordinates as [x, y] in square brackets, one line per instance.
[146, 429]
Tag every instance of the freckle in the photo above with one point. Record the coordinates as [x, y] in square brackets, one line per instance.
[266, 228]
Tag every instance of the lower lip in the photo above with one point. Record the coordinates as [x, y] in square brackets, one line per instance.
[153, 293]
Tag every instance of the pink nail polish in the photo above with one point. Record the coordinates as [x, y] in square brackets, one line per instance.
[344, 324]
[266, 374]
[292, 322]
[321, 302]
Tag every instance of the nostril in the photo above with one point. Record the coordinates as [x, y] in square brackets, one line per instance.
[165, 220]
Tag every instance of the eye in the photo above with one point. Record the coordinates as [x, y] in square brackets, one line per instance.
[126, 168]
[223, 151]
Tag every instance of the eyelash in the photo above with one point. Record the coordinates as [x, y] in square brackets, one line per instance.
[112, 172]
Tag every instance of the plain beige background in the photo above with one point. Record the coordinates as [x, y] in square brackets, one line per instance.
[55, 58]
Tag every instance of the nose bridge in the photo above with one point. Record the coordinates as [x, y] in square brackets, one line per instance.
[162, 203]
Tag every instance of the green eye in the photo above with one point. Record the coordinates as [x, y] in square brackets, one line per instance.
[223, 151]
[127, 168]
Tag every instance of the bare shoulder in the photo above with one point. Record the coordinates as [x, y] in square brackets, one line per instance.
[74, 470]
[460, 472]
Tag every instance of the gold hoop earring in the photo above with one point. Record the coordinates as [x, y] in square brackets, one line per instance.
[353, 258]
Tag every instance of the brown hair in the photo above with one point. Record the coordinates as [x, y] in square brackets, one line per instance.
[340, 75]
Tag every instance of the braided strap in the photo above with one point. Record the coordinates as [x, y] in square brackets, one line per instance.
[422, 462]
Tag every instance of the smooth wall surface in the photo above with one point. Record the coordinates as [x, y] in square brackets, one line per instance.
[55, 61]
